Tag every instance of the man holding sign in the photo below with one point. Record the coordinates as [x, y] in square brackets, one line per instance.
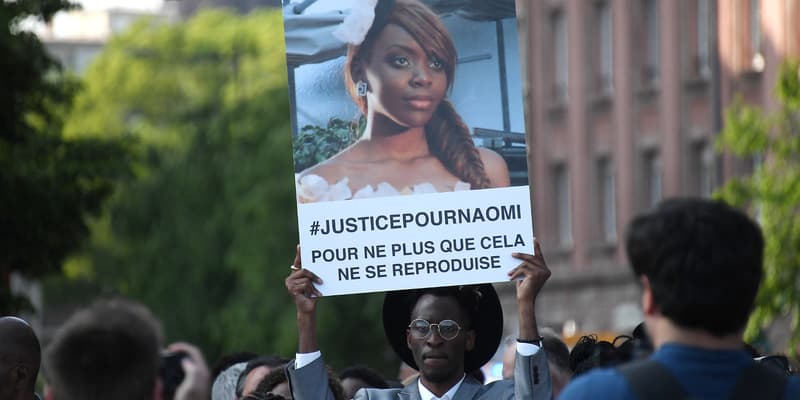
[442, 332]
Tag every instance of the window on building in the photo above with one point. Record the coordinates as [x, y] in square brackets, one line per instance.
[757, 59]
[558, 26]
[652, 179]
[703, 169]
[702, 40]
[605, 49]
[652, 56]
[563, 206]
[607, 200]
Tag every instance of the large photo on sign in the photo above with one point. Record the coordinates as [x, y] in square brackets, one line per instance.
[409, 142]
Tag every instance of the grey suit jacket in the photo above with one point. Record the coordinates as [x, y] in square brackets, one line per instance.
[531, 381]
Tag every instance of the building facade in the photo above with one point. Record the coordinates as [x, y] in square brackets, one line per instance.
[76, 37]
[624, 100]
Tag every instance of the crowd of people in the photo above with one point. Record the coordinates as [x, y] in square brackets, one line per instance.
[699, 263]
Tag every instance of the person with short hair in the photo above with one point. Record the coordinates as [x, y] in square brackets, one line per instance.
[112, 351]
[356, 377]
[20, 356]
[109, 350]
[557, 359]
[700, 265]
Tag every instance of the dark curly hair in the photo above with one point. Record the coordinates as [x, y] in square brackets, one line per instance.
[590, 353]
[703, 260]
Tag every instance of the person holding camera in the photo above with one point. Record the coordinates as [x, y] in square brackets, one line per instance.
[112, 351]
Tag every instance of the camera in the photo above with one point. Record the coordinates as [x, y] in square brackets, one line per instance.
[171, 372]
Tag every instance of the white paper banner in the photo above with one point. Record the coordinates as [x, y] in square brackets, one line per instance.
[404, 242]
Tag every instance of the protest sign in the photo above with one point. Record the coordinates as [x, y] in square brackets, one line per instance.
[409, 143]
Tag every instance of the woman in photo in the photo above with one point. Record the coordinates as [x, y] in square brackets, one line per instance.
[413, 141]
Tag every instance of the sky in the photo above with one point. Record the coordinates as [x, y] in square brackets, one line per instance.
[81, 26]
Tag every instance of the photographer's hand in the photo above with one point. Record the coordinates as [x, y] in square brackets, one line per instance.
[300, 284]
[196, 384]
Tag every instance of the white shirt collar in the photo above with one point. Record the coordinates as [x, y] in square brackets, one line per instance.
[426, 394]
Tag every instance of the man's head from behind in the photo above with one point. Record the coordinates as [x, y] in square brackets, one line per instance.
[557, 360]
[702, 261]
[20, 356]
[107, 351]
[360, 376]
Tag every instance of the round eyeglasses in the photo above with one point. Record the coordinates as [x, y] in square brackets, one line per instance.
[421, 329]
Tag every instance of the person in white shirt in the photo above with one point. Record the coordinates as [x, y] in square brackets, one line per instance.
[441, 332]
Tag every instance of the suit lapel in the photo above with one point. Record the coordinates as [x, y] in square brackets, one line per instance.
[469, 389]
[410, 392]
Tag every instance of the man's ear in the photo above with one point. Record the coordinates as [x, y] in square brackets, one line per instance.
[408, 338]
[649, 306]
[21, 375]
[470, 340]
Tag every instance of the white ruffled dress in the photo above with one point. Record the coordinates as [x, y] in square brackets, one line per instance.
[313, 188]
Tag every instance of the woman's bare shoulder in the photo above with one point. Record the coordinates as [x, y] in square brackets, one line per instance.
[495, 167]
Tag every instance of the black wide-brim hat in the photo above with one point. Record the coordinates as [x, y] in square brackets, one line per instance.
[487, 323]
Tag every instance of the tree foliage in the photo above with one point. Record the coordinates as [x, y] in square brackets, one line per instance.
[47, 183]
[205, 233]
[773, 193]
[315, 144]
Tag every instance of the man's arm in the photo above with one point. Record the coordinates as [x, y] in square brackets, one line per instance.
[532, 377]
[308, 380]
[300, 284]
[531, 276]
[531, 373]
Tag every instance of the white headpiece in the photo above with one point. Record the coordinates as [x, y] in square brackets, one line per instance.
[355, 26]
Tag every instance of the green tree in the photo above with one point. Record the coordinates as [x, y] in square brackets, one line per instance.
[48, 183]
[206, 232]
[773, 193]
